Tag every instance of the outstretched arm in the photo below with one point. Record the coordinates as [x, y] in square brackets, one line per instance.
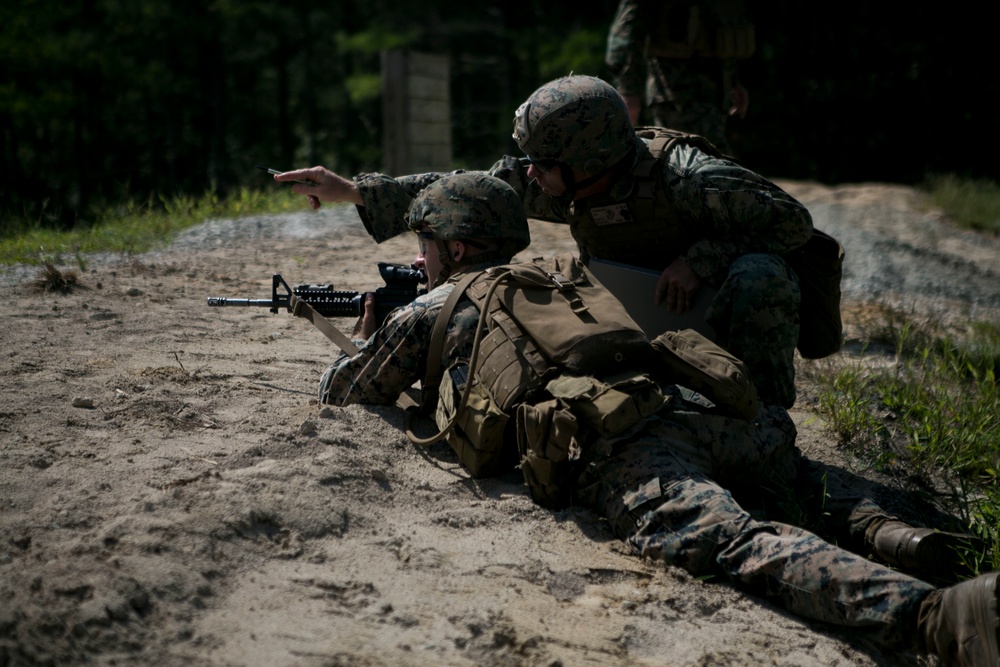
[382, 200]
[329, 187]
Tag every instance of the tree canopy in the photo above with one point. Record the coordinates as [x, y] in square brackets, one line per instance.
[103, 101]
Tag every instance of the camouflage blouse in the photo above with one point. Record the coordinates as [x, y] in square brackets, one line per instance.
[733, 210]
[394, 358]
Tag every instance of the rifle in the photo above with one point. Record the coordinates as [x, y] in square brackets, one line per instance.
[401, 287]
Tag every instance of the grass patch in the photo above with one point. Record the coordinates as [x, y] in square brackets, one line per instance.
[970, 203]
[51, 279]
[931, 411]
[134, 227]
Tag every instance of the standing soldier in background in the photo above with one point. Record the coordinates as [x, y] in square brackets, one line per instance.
[684, 54]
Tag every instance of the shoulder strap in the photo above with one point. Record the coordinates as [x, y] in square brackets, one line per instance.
[432, 375]
[661, 139]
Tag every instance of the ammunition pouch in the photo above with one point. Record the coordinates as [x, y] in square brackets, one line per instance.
[550, 450]
[690, 359]
[552, 435]
[476, 432]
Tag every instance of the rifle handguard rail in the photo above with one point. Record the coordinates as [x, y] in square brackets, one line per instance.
[401, 288]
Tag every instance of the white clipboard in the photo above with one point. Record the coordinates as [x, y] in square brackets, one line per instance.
[635, 286]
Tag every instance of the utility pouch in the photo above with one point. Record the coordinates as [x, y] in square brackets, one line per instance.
[550, 450]
[612, 406]
[477, 434]
[537, 320]
[696, 362]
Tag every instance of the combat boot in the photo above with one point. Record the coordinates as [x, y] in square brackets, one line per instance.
[921, 550]
[959, 624]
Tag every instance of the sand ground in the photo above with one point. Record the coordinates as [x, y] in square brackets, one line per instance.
[170, 493]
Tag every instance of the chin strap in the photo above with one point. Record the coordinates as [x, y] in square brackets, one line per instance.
[567, 179]
[449, 266]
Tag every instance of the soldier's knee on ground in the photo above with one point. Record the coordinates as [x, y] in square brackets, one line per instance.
[686, 523]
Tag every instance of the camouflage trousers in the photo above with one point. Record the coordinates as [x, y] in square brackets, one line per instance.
[844, 505]
[755, 315]
[691, 96]
[660, 491]
[786, 486]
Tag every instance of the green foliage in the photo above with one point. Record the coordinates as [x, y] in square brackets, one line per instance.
[377, 39]
[134, 227]
[932, 410]
[364, 88]
[971, 203]
[107, 101]
[582, 52]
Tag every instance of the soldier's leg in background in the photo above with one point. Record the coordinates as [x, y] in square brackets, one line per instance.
[696, 118]
[856, 519]
[686, 95]
[755, 315]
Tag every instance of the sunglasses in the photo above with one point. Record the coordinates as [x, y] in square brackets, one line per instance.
[544, 166]
[424, 238]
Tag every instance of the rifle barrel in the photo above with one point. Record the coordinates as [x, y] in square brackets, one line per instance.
[400, 289]
[219, 301]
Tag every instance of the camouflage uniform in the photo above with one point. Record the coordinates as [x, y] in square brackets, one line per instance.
[730, 225]
[658, 487]
[683, 93]
[660, 494]
[394, 358]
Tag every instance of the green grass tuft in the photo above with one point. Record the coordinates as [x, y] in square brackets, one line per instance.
[933, 412]
[971, 203]
[134, 227]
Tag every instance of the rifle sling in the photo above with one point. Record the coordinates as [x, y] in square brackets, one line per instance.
[302, 309]
[437, 342]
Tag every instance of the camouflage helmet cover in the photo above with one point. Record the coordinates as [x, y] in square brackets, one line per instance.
[581, 121]
[471, 205]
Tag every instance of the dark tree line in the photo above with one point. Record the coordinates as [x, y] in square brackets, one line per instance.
[872, 91]
[106, 101]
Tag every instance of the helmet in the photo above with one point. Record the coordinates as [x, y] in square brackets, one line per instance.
[471, 205]
[580, 121]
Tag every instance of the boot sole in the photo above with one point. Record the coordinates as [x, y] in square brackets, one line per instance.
[936, 553]
[985, 613]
